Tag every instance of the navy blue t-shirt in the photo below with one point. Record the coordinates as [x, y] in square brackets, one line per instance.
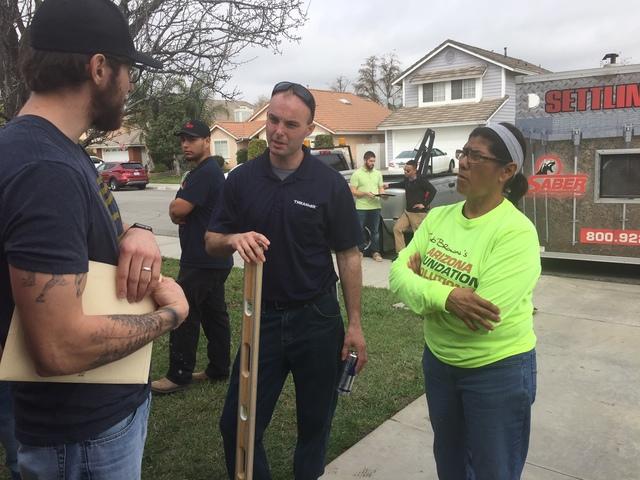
[202, 187]
[304, 217]
[56, 215]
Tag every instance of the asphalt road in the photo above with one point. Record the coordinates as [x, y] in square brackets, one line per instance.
[150, 207]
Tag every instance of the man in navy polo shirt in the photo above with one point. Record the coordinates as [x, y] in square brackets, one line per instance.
[201, 277]
[287, 209]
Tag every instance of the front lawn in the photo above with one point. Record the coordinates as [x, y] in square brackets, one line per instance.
[184, 441]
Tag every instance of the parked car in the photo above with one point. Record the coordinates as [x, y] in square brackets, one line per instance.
[441, 161]
[124, 174]
[338, 158]
[394, 204]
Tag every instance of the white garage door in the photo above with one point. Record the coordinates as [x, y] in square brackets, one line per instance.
[448, 139]
[115, 156]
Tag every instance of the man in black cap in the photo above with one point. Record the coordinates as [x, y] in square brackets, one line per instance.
[202, 277]
[56, 215]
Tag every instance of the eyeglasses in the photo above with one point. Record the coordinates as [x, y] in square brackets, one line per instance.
[299, 91]
[473, 157]
[134, 71]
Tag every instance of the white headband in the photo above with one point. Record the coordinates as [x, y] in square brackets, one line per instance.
[511, 142]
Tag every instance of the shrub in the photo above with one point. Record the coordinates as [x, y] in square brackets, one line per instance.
[256, 147]
[241, 156]
[323, 141]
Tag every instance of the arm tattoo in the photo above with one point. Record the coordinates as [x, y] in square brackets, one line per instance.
[29, 280]
[80, 284]
[140, 330]
[55, 281]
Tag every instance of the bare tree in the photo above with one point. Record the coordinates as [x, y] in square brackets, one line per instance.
[367, 83]
[260, 102]
[198, 41]
[389, 68]
[340, 84]
[375, 79]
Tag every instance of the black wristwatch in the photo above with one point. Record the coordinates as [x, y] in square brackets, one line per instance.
[142, 226]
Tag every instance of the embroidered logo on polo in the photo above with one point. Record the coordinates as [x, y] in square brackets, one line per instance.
[305, 204]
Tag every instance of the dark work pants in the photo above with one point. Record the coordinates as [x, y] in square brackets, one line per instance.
[306, 341]
[204, 289]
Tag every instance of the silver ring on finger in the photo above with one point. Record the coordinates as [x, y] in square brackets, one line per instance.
[146, 269]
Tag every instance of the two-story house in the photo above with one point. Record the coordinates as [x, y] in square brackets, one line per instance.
[453, 89]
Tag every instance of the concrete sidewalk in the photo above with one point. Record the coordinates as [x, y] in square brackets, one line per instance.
[586, 418]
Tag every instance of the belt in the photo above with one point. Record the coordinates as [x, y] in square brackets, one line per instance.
[291, 304]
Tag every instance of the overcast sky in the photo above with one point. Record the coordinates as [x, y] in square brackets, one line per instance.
[340, 34]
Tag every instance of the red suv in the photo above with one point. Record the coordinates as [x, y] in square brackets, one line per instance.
[125, 174]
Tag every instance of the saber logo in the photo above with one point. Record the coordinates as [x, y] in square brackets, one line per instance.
[549, 180]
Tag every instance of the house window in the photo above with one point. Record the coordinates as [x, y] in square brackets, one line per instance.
[221, 147]
[463, 89]
[619, 175]
[242, 114]
[433, 92]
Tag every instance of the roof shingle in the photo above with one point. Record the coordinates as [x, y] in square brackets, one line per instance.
[477, 112]
[241, 130]
[347, 112]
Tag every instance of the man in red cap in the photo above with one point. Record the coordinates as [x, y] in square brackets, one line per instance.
[202, 277]
[56, 215]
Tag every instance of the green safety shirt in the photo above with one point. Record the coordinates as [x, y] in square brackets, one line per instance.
[496, 254]
[367, 181]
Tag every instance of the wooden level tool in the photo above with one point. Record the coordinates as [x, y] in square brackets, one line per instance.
[248, 387]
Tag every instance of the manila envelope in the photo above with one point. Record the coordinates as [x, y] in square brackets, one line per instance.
[99, 297]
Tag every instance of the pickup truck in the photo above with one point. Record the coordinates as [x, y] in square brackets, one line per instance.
[340, 159]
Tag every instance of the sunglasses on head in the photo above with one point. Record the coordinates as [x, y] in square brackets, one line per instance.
[299, 91]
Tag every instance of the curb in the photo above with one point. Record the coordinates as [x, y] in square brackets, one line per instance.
[163, 186]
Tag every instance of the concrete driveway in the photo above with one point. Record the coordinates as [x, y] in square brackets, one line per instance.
[586, 419]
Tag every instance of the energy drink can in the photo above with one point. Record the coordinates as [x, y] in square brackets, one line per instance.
[348, 374]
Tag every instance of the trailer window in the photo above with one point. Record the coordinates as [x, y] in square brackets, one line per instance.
[619, 174]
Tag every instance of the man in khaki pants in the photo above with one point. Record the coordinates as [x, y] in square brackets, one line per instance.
[419, 195]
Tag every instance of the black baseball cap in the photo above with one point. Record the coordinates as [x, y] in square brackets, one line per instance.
[85, 26]
[195, 128]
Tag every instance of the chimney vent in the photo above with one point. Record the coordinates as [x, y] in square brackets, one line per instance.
[505, 51]
[612, 57]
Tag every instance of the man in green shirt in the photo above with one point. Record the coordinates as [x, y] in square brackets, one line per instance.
[366, 185]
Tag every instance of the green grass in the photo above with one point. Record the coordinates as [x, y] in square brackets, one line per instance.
[183, 438]
[164, 178]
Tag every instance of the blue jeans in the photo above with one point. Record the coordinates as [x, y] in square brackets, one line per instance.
[115, 454]
[480, 416]
[371, 220]
[7, 430]
[306, 341]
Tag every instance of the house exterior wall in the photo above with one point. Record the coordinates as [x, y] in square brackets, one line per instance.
[232, 146]
[490, 83]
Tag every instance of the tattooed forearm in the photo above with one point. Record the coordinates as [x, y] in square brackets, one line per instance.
[56, 280]
[140, 330]
[80, 284]
[29, 279]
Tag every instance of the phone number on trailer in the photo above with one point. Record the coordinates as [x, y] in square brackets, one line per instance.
[609, 237]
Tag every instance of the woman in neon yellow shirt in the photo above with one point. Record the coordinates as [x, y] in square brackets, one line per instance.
[470, 271]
